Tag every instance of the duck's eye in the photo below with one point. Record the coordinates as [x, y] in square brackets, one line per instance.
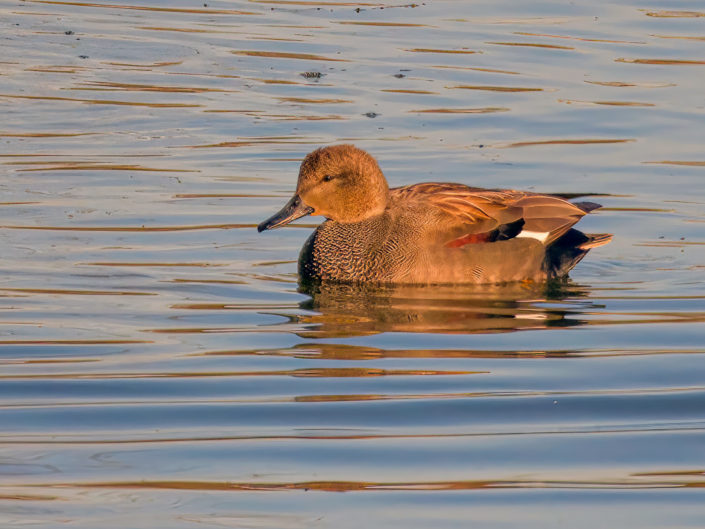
[327, 178]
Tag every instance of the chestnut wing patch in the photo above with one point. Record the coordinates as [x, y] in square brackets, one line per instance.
[501, 233]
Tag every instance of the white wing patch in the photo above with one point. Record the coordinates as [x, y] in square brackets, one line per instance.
[538, 235]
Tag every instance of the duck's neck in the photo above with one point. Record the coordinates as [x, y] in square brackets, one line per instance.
[368, 202]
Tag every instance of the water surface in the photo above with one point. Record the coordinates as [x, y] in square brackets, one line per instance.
[161, 367]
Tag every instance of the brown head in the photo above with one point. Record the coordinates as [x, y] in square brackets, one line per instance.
[341, 182]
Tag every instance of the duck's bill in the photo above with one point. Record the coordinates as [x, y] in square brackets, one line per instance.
[293, 210]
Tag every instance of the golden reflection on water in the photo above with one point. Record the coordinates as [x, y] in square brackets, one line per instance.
[664, 62]
[607, 103]
[104, 86]
[103, 101]
[431, 50]
[382, 24]
[143, 8]
[635, 481]
[621, 84]
[136, 229]
[485, 110]
[568, 37]
[495, 88]
[568, 142]
[680, 162]
[286, 55]
[488, 70]
[674, 14]
[532, 45]
[351, 310]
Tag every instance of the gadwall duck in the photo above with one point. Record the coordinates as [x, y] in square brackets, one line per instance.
[430, 232]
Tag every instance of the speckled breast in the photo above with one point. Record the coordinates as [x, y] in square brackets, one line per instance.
[362, 251]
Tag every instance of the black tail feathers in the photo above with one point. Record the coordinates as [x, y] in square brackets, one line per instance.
[566, 252]
[587, 207]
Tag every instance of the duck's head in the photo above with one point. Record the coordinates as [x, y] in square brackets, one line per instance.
[341, 182]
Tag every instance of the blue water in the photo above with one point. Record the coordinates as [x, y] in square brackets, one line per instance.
[160, 367]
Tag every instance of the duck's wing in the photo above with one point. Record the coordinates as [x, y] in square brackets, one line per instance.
[473, 215]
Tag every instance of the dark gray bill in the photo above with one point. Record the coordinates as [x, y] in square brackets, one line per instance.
[293, 210]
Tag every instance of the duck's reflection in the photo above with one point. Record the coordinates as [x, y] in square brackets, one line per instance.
[355, 310]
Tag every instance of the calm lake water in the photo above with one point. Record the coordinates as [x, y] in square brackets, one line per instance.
[159, 367]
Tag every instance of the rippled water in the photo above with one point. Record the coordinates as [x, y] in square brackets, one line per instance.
[159, 365]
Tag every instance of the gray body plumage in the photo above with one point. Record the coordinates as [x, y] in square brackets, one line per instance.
[386, 250]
